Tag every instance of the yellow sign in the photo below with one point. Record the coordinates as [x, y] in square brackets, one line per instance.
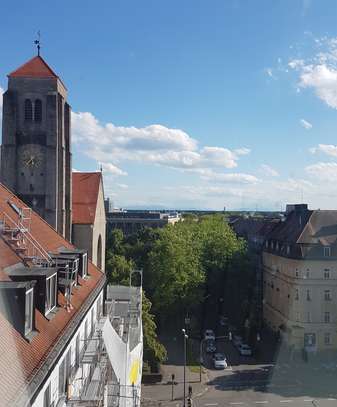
[134, 371]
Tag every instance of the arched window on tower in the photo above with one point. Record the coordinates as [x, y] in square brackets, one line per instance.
[99, 252]
[28, 110]
[38, 110]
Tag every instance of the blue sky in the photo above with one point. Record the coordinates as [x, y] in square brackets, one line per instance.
[194, 104]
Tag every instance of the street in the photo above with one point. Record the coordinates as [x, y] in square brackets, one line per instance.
[251, 381]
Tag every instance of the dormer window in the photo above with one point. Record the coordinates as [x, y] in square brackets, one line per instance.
[28, 110]
[29, 308]
[327, 251]
[51, 289]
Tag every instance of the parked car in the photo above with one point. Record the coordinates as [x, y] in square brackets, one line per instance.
[237, 340]
[219, 361]
[245, 350]
[209, 334]
[210, 346]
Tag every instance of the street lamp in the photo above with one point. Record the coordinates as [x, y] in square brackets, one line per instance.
[200, 358]
[185, 338]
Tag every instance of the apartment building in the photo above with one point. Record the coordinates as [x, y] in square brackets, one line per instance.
[300, 278]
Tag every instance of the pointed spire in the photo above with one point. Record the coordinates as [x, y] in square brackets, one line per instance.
[37, 42]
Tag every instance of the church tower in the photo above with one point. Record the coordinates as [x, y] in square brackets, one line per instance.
[36, 145]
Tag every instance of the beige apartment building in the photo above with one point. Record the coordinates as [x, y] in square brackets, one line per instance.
[300, 279]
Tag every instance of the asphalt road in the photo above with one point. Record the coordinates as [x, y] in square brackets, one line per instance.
[248, 382]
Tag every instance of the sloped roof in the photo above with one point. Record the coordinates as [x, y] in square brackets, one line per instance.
[307, 227]
[36, 67]
[321, 228]
[292, 227]
[21, 360]
[85, 196]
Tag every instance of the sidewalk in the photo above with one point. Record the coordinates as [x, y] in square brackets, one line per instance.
[162, 392]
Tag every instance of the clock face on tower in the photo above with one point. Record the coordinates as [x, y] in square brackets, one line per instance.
[31, 156]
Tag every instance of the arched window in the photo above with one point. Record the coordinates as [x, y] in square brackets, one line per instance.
[28, 110]
[38, 110]
[99, 252]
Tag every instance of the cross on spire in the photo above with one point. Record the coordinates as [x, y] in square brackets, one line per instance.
[37, 42]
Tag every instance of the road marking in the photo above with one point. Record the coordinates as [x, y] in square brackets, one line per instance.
[331, 399]
[262, 402]
[286, 401]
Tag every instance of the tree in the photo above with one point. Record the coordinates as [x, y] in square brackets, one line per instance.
[154, 351]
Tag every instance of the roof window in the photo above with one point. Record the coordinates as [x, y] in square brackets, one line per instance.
[29, 308]
[327, 251]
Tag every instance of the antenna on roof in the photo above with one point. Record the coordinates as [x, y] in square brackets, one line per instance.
[37, 42]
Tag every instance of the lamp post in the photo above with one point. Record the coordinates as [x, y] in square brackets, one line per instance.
[185, 338]
[201, 361]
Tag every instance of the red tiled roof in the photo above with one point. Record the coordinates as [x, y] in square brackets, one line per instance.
[85, 195]
[36, 67]
[20, 359]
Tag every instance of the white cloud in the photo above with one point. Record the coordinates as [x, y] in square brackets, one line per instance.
[154, 144]
[269, 72]
[323, 80]
[123, 186]
[111, 169]
[320, 71]
[269, 171]
[230, 178]
[296, 63]
[323, 171]
[305, 124]
[327, 149]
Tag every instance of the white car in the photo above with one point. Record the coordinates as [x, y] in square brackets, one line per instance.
[220, 361]
[209, 335]
[245, 350]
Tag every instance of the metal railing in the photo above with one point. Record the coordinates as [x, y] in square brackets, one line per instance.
[26, 246]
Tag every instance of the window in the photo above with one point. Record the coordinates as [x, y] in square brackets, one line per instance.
[77, 351]
[326, 274]
[85, 265]
[297, 274]
[327, 338]
[327, 317]
[38, 110]
[307, 274]
[327, 295]
[92, 320]
[277, 246]
[288, 249]
[51, 293]
[29, 311]
[308, 295]
[62, 378]
[46, 397]
[327, 251]
[297, 317]
[297, 296]
[28, 110]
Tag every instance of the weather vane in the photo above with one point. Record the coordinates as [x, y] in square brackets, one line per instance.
[37, 42]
